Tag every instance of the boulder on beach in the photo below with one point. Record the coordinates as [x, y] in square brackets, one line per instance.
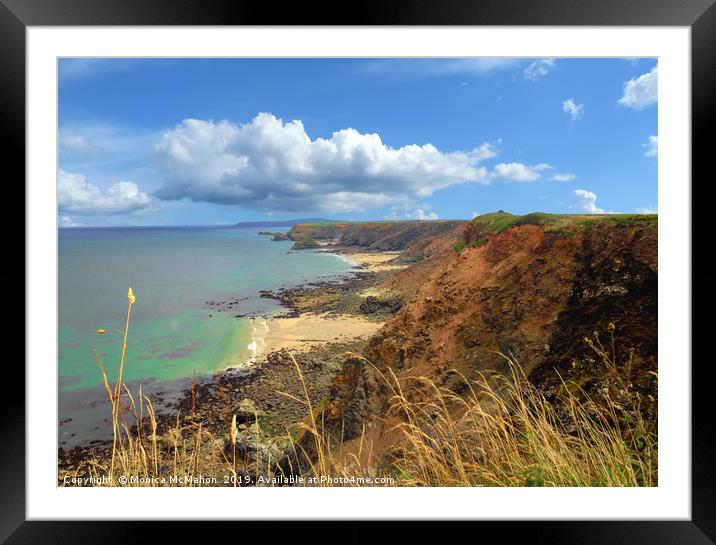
[247, 411]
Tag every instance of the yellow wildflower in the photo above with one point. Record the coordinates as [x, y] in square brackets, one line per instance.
[101, 331]
[131, 297]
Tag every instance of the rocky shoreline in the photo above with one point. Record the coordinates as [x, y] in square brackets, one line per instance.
[270, 388]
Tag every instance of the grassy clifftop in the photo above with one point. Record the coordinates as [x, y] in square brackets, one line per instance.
[482, 228]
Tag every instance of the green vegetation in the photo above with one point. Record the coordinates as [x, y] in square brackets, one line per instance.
[497, 222]
[460, 244]
[484, 227]
[628, 220]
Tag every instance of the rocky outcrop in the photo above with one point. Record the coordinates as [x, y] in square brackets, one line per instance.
[247, 411]
[354, 399]
[371, 305]
[276, 235]
[303, 241]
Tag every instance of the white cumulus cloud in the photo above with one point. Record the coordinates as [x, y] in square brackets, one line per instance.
[586, 201]
[519, 172]
[647, 210]
[641, 92]
[539, 68]
[563, 177]
[652, 147]
[422, 214]
[575, 111]
[76, 194]
[268, 165]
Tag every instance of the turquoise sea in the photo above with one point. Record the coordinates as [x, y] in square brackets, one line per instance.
[175, 272]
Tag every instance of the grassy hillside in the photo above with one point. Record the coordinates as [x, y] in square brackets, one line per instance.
[484, 227]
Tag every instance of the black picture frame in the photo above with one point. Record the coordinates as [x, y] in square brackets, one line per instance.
[699, 15]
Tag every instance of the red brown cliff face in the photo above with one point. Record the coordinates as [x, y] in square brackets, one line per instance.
[532, 288]
[529, 292]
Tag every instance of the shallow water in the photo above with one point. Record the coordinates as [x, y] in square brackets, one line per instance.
[174, 332]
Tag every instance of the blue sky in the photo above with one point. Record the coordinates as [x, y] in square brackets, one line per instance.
[213, 141]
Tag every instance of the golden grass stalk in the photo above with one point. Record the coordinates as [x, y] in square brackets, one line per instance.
[118, 388]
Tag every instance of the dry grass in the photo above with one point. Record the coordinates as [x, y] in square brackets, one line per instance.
[505, 433]
[500, 432]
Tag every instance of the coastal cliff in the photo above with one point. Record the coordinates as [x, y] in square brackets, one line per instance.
[528, 286]
[538, 289]
[379, 236]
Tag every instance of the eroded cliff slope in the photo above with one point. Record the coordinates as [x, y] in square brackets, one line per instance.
[533, 288]
[530, 286]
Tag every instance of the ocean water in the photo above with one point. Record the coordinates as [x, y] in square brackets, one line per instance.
[173, 332]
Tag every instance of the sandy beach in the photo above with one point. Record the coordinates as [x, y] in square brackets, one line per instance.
[373, 261]
[312, 328]
[308, 330]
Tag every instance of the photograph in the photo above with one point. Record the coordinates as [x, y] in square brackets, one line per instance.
[357, 272]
